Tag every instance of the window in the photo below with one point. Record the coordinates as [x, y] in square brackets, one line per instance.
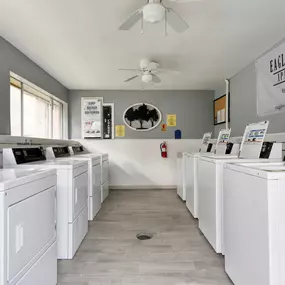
[34, 113]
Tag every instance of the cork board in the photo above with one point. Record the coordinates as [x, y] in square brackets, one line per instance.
[220, 110]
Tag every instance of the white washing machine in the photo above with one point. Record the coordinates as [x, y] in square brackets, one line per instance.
[72, 194]
[210, 180]
[254, 223]
[79, 150]
[181, 165]
[28, 250]
[191, 169]
[94, 175]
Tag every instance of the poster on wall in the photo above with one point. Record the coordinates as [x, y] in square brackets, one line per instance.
[171, 120]
[120, 131]
[142, 117]
[270, 82]
[91, 110]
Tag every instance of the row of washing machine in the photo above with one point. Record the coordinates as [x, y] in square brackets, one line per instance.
[47, 196]
[239, 200]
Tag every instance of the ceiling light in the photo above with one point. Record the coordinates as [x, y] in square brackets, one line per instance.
[153, 12]
[147, 78]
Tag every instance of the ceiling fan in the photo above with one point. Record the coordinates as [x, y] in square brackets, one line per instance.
[154, 11]
[147, 72]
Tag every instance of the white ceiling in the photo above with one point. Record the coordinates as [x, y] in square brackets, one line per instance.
[78, 41]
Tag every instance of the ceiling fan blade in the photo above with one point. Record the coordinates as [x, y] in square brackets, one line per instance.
[131, 21]
[172, 71]
[184, 1]
[132, 78]
[128, 69]
[155, 79]
[176, 21]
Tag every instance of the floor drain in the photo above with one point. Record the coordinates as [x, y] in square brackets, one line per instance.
[144, 236]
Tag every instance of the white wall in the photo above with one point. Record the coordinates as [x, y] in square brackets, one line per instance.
[137, 163]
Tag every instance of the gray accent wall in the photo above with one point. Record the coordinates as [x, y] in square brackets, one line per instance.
[11, 59]
[244, 107]
[194, 111]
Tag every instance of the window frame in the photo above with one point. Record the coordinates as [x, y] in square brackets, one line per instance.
[30, 88]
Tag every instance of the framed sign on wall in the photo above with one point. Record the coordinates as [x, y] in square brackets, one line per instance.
[91, 117]
[220, 105]
[142, 117]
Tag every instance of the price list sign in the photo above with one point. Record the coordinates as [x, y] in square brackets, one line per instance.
[92, 117]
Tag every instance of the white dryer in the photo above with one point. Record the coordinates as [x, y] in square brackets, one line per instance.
[210, 180]
[28, 250]
[94, 175]
[254, 223]
[79, 150]
[72, 194]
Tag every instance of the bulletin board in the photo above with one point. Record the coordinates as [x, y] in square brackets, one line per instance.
[220, 110]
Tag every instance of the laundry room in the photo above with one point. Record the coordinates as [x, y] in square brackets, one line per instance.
[142, 142]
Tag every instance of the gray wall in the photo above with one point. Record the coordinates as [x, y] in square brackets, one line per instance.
[194, 111]
[13, 60]
[244, 107]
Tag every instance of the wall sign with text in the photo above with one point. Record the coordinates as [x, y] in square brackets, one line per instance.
[91, 112]
[270, 72]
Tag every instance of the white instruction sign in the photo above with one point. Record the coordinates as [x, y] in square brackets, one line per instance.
[255, 136]
[205, 140]
[223, 139]
[253, 139]
[91, 109]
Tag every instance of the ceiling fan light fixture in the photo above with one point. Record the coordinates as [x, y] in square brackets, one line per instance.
[153, 13]
[147, 78]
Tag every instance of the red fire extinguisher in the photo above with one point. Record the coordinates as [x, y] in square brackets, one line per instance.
[163, 150]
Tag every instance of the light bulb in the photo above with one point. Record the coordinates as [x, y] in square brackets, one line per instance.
[153, 13]
[147, 78]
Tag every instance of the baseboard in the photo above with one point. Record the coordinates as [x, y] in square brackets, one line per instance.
[143, 187]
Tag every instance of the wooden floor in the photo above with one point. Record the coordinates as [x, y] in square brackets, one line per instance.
[177, 255]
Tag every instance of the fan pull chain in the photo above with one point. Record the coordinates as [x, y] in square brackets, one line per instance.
[165, 23]
[142, 25]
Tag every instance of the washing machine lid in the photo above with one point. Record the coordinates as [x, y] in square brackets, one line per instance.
[198, 154]
[56, 164]
[265, 169]
[89, 155]
[11, 178]
[219, 158]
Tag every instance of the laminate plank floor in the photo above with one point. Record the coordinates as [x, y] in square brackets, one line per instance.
[178, 254]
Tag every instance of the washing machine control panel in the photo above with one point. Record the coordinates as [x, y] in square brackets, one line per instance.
[266, 149]
[229, 148]
[25, 155]
[78, 149]
[61, 152]
[209, 148]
